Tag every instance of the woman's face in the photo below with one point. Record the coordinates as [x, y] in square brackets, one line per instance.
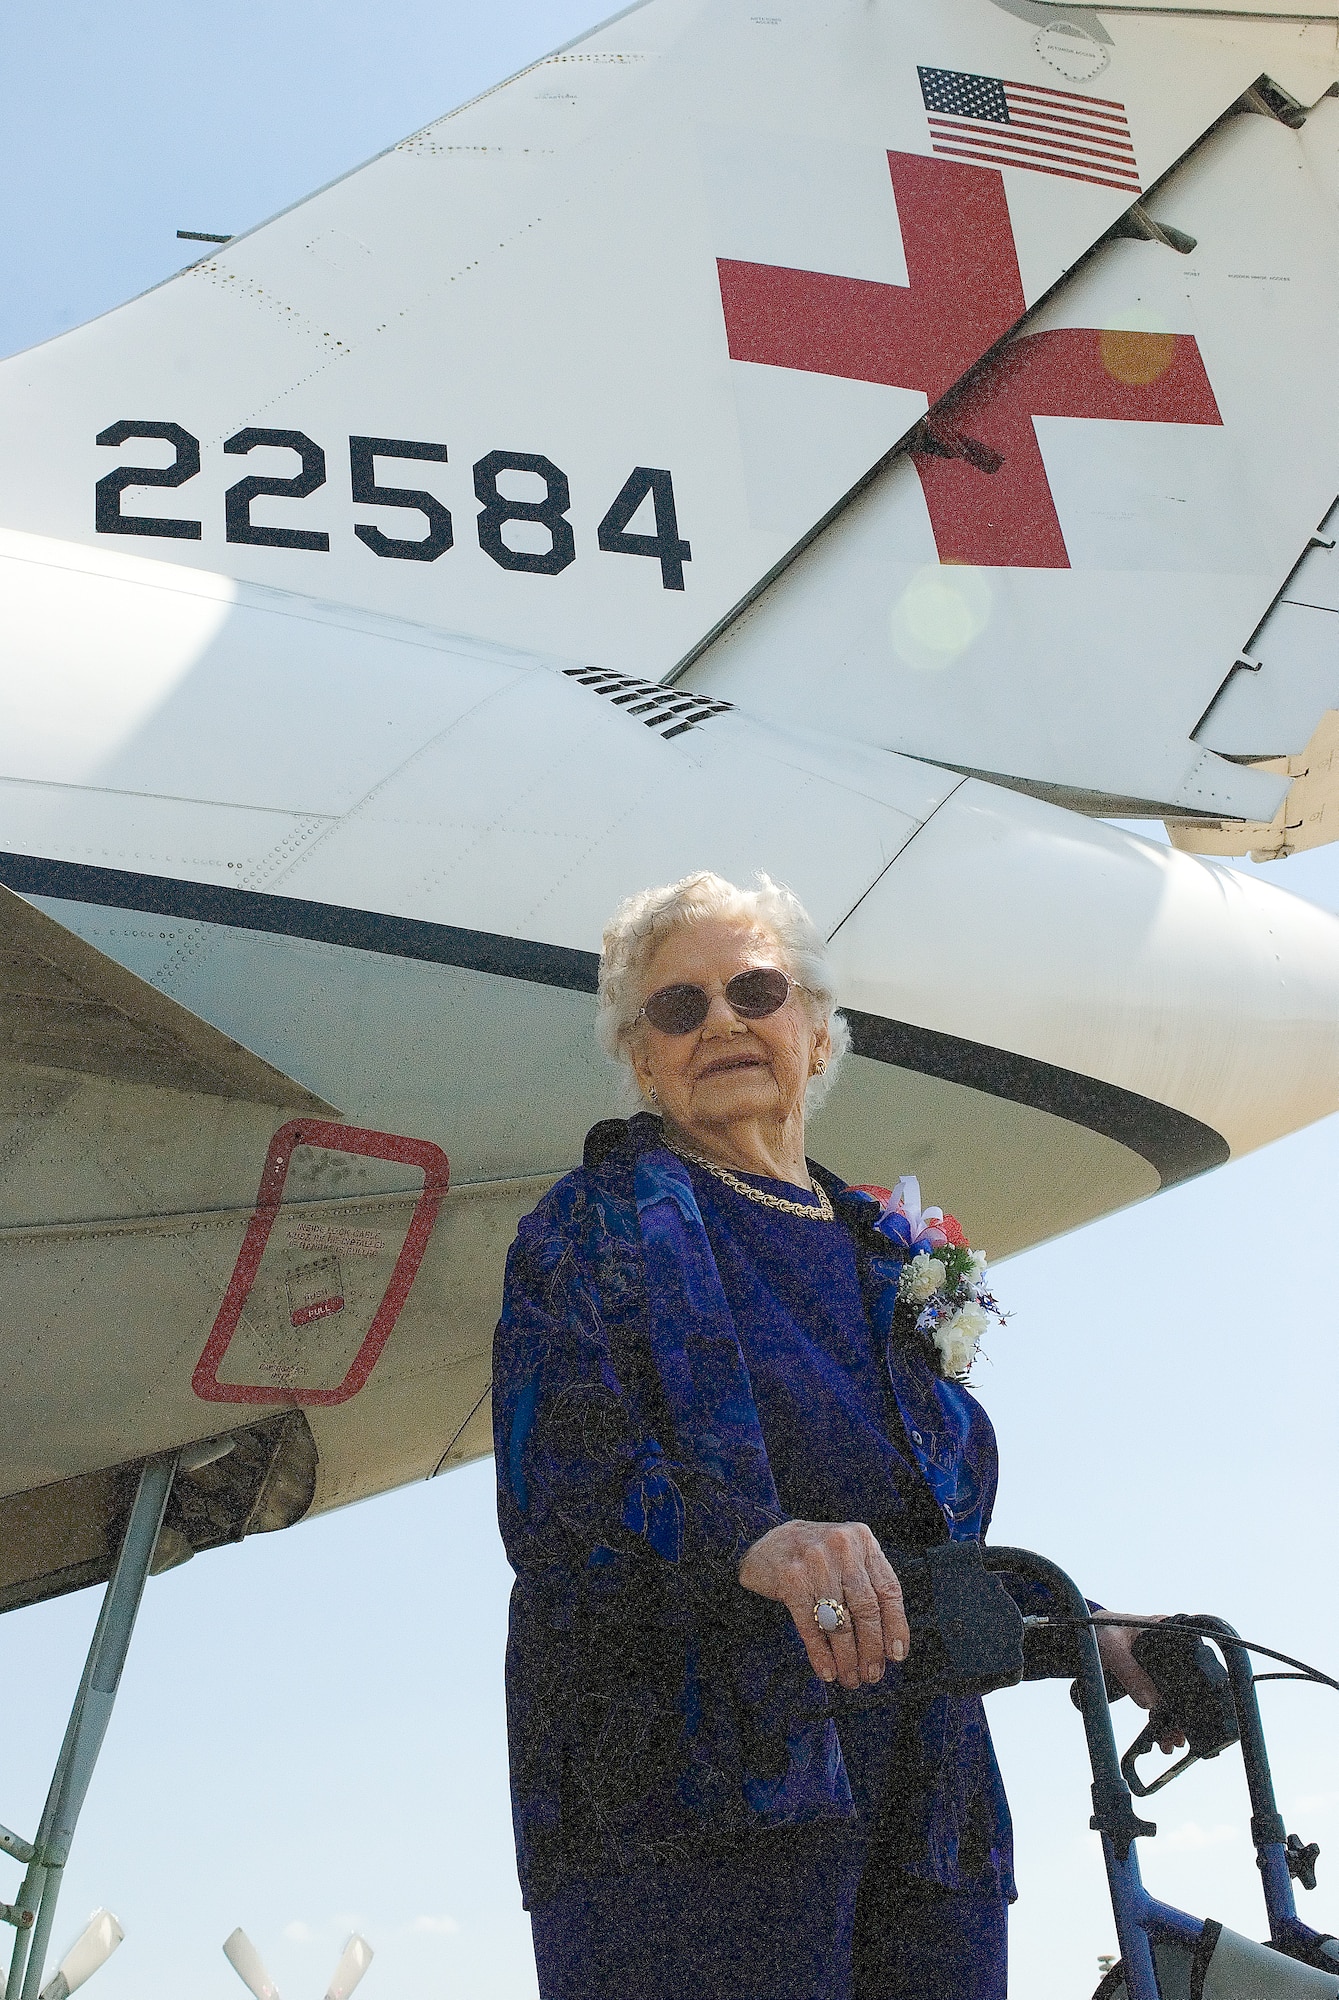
[728, 1071]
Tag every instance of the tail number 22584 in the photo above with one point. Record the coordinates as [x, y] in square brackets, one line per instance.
[547, 511]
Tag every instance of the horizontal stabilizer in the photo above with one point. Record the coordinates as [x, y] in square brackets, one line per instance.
[1308, 817]
[65, 1006]
[129, 1129]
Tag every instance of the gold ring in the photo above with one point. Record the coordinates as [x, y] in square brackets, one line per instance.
[829, 1615]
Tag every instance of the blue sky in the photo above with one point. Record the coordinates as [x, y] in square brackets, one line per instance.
[310, 1733]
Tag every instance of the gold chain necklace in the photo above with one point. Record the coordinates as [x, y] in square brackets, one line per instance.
[823, 1213]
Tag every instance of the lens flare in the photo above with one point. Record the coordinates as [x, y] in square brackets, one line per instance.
[941, 611]
[1137, 357]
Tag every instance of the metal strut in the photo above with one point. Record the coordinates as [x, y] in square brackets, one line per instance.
[34, 1911]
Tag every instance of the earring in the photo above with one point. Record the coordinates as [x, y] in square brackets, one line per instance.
[819, 1066]
[651, 1093]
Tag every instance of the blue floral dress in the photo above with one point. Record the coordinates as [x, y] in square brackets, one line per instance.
[676, 1371]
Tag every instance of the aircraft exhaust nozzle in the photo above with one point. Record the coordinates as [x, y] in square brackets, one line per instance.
[1179, 981]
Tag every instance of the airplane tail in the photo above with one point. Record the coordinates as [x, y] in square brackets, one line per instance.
[579, 367]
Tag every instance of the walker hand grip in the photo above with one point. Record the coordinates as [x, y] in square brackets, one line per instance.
[1196, 1699]
[966, 1630]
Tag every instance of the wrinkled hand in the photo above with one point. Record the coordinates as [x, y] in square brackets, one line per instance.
[801, 1562]
[1114, 1641]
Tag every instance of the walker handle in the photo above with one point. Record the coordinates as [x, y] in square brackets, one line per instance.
[1196, 1698]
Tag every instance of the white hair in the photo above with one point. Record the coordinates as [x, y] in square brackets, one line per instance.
[641, 923]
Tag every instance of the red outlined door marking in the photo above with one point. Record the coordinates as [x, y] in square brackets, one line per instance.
[980, 468]
[325, 1300]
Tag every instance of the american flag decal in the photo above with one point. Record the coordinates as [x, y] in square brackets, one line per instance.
[1029, 125]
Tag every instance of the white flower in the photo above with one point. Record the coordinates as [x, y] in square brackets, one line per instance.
[959, 1337]
[922, 1278]
[976, 1269]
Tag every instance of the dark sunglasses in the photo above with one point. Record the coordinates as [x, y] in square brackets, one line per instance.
[752, 995]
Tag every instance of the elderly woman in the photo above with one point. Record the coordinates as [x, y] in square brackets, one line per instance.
[709, 1417]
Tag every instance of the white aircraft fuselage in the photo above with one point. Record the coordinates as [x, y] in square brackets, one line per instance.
[392, 592]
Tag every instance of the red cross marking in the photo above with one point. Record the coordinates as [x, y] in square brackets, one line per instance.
[978, 460]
